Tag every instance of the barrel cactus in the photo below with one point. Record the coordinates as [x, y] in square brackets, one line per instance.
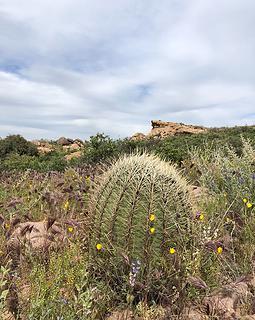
[140, 220]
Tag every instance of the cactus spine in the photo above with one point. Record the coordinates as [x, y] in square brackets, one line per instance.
[139, 210]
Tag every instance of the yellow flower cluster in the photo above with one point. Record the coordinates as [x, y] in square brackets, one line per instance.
[152, 218]
[247, 203]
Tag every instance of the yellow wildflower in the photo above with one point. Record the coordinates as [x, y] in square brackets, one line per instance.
[248, 205]
[70, 229]
[99, 246]
[87, 179]
[172, 250]
[245, 200]
[152, 230]
[219, 250]
[66, 205]
[7, 226]
[201, 217]
[152, 217]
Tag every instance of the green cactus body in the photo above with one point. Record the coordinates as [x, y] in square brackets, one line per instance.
[139, 210]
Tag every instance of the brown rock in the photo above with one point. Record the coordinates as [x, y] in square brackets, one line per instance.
[224, 303]
[64, 141]
[79, 142]
[44, 150]
[72, 147]
[73, 155]
[138, 137]
[163, 129]
[43, 147]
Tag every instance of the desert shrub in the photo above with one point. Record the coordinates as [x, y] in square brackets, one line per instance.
[99, 148]
[140, 217]
[42, 163]
[177, 148]
[61, 289]
[228, 178]
[18, 145]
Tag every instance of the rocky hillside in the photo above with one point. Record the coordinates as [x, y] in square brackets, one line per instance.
[72, 148]
[162, 129]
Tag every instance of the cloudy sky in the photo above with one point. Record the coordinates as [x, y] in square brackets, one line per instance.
[78, 67]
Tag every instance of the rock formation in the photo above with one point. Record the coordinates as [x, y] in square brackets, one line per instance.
[43, 147]
[161, 129]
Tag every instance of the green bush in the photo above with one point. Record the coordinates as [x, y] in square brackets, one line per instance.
[42, 163]
[99, 148]
[141, 215]
[18, 145]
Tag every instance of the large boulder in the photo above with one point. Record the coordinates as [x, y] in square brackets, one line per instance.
[43, 147]
[64, 141]
[161, 129]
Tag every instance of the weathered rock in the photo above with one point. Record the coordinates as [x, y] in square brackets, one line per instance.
[72, 147]
[79, 142]
[44, 150]
[193, 313]
[73, 155]
[138, 137]
[43, 147]
[164, 129]
[161, 129]
[64, 141]
[38, 237]
[225, 303]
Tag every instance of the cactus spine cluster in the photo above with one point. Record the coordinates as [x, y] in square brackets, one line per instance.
[140, 210]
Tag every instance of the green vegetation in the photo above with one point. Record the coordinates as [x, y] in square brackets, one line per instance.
[17, 153]
[129, 240]
[16, 144]
[140, 215]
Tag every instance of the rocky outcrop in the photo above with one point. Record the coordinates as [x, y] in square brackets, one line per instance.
[138, 136]
[75, 146]
[73, 155]
[161, 129]
[43, 147]
[68, 145]
[64, 141]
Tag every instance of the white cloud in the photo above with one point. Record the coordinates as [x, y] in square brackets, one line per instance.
[78, 67]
